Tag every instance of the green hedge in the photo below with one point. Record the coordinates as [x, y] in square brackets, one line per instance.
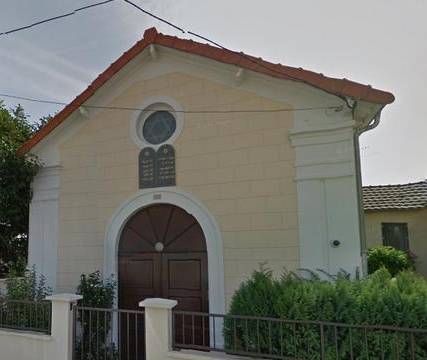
[379, 299]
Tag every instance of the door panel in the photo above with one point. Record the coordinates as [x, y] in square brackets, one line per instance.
[139, 278]
[184, 276]
[178, 271]
[184, 279]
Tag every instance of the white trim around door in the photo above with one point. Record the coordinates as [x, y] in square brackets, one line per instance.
[186, 201]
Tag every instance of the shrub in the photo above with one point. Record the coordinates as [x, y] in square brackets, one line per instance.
[392, 259]
[96, 291]
[379, 299]
[30, 287]
[95, 325]
[23, 304]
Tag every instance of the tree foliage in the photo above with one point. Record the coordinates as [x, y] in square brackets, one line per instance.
[16, 174]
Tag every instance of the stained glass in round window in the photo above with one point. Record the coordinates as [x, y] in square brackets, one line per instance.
[159, 127]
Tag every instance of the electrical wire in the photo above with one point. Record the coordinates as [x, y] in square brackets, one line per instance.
[241, 54]
[278, 110]
[55, 17]
[155, 16]
[176, 27]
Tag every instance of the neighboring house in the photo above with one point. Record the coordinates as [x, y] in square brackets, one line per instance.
[396, 215]
[184, 166]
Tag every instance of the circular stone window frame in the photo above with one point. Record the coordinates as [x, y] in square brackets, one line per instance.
[150, 106]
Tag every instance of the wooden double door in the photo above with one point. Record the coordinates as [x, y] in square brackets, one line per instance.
[162, 253]
[178, 276]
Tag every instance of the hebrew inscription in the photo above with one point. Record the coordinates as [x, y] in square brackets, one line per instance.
[157, 169]
[147, 161]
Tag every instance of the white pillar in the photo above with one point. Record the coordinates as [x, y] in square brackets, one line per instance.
[44, 220]
[61, 347]
[327, 192]
[158, 327]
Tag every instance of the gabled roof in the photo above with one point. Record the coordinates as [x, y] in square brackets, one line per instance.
[338, 87]
[396, 197]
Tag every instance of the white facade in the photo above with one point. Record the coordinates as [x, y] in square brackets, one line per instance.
[328, 220]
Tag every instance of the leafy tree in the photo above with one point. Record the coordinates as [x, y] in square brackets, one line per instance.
[16, 174]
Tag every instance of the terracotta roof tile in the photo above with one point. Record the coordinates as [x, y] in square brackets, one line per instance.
[338, 87]
[395, 197]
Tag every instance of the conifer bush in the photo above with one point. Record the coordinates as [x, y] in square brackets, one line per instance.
[379, 299]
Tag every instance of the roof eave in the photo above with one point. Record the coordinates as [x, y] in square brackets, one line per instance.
[338, 87]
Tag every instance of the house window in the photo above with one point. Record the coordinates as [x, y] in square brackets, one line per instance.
[159, 127]
[396, 235]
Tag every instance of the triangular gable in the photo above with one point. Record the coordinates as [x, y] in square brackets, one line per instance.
[338, 87]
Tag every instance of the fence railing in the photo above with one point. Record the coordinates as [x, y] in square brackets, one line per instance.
[26, 315]
[291, 339]
[108, 334]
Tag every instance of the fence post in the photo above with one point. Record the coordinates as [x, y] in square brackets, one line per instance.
[158, 327]
[61, 326]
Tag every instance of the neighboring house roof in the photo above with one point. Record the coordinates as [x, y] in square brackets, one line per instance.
[338, 87]
[395, 197]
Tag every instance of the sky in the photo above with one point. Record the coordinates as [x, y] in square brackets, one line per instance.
[382, 43]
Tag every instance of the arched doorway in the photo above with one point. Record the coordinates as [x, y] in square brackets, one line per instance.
[162, 253]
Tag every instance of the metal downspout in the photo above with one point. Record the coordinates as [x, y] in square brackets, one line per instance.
[363, 245]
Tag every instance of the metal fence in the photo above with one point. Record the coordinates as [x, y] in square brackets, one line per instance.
[26, 315]
[108, 334]
[291, 339]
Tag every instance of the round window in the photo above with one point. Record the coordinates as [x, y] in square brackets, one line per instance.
[158, 127]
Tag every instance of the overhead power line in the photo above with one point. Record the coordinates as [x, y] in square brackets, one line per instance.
[207, 39]
[155, 16]
[255, 61]
[278, 110]
[55, 17]
[241, 54]
[167, 22]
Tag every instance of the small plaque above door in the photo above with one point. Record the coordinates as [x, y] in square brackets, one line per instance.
[165, 166]
[157, 169]
[147, 163]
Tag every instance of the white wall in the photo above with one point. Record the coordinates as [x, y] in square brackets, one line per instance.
[327, 192]
[16, 345]
[43, 228]
[26, 345]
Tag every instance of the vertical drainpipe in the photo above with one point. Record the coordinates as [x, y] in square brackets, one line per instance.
[363, 245]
